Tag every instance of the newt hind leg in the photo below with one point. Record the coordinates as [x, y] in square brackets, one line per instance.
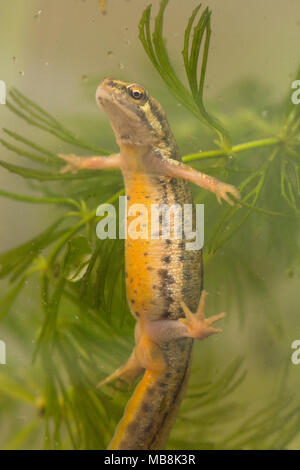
[197, 325]
[191, 326]
[126, 374]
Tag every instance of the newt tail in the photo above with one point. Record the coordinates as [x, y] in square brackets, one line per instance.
[151, 411]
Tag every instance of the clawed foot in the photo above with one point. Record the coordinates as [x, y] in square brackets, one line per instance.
[223, 190]
[197, 325]
[74, 163]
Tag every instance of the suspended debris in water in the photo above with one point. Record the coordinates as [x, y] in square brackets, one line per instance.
[38, 14]
[103, 6]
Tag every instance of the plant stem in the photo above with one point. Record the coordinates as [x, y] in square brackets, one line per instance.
[235, 149]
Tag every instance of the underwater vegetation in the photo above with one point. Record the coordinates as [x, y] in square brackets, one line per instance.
[77, 329]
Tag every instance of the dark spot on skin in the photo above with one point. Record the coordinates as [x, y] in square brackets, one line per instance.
[137, 314]
[163, 273]
[131, 279]
[165, 139]
[147, 429]
[128, 198]
[168, 241]
[135, 291]
[168, 375]
[149, 268]
[187, 276]
[166, 259]
[112, 84]
[146, 408]
[162, 182]
[145, 254]
[176, 186]
[132, 301]
[162, 384]
[155, 286]
[169, 298]
[166, 276]
[165, 314]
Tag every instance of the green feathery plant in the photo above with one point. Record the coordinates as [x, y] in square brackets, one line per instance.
[79, 273]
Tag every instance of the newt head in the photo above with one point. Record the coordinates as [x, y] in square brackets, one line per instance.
[136, 117]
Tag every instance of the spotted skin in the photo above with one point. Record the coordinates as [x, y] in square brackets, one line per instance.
[152, 409]
[164, 280]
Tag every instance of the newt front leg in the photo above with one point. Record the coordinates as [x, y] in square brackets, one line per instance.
[75, 163]
[162, 166]
[174, 168]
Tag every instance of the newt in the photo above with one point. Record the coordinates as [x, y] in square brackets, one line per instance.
[164, 280]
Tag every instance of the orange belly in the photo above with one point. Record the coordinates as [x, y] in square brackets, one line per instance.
[142, 254]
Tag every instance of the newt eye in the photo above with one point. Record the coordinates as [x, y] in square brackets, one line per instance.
[136, 92]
